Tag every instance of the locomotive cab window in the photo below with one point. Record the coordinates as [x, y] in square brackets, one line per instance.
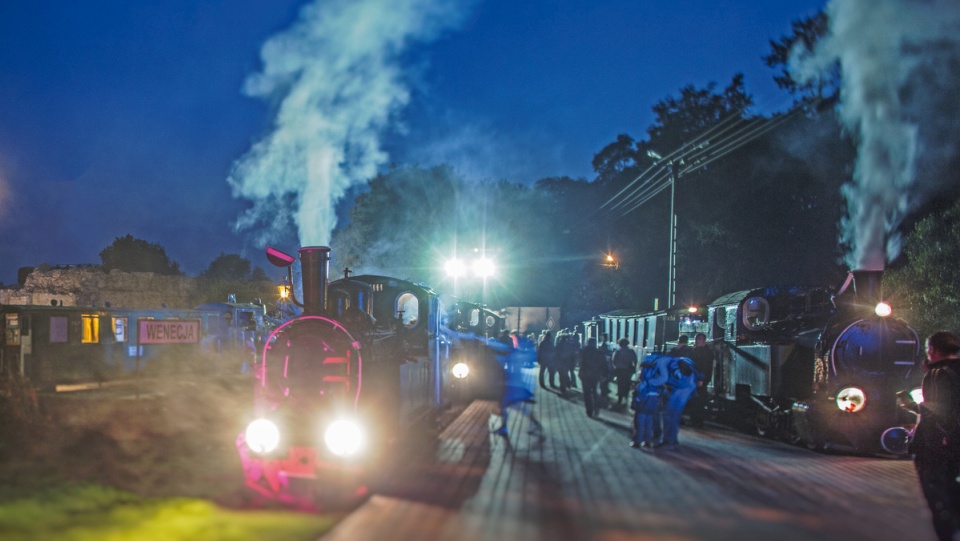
[756, 313]
[408, 309]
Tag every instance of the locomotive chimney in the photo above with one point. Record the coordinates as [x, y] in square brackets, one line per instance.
[867, 287]
[314, 265]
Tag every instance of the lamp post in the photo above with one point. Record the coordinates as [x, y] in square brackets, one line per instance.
[672, 254]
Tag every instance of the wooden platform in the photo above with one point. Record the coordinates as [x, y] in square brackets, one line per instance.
[582, 481]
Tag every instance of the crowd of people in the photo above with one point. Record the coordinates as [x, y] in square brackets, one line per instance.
[668, 385]
[659, 397]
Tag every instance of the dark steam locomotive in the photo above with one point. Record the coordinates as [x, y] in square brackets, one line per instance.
[365, 360]
[802, 363]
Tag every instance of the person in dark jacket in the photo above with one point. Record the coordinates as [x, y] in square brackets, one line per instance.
[624, 367]
[936, 441]
[703, 360]
[593, 368]
[546, 356]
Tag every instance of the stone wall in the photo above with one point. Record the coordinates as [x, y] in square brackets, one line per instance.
[91, 286]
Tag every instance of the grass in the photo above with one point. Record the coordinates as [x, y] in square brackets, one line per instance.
[93, 512]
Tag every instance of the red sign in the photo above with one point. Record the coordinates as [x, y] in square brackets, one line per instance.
[154, 331]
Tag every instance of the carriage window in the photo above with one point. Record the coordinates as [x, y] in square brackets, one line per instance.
[408, 309]
[119, 328]
[58, 329]
[474, 317]
[12, 329]
[91, 329]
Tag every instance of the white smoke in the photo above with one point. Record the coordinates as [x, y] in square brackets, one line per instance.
[881, 46]
[336, 76]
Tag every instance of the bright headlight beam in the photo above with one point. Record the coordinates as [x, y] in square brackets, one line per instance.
[484, 268]
[454, 268]
[343, 438]
[262, 436]
[851, 399]
[460, 370]
[883, 309]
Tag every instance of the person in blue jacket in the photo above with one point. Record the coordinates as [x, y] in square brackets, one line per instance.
[681, 382]
[647, 402]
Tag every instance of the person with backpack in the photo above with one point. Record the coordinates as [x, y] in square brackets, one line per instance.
[647, 401]
[936, 440]
[681, 383]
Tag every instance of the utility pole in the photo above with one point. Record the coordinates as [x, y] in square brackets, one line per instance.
[671, 297]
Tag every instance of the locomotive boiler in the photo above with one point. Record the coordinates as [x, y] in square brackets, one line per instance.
[802, 363]
[818, 368]
[363, 363]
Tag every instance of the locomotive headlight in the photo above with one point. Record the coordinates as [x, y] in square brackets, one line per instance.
[460, 370]
[262, 436]
[883, 309]
[851, 399]
[917, 395]
[343, 438]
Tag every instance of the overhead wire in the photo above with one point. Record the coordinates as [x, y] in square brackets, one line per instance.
[704, 155]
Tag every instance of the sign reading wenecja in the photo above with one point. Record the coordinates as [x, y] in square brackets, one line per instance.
[152, 331]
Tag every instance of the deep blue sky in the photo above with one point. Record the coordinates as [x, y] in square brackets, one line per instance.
[122, 117]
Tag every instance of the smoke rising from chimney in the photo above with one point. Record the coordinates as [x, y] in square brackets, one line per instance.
[336, 80]
[885, 50]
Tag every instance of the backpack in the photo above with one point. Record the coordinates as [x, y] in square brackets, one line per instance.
[682, 374]
[647, 396]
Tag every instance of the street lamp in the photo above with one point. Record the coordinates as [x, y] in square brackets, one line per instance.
[672, 256]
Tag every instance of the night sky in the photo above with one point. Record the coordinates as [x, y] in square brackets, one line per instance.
[121, 117]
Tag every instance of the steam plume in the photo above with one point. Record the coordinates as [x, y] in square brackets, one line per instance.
[336, 78]
[886, 50]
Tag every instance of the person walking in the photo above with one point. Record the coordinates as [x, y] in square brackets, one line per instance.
[515, 391]
[624, 366]
[593, 368]
[546, 356]
[936, 441]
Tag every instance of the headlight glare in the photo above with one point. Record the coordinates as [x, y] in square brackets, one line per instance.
[262, 436]
[343, 438]
[460, 370]
[851, 399]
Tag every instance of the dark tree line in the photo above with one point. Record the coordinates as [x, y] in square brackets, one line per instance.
[228, 274]
[757, 200]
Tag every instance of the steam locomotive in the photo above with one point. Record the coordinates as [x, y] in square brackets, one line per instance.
[805, 364]
[365, 360]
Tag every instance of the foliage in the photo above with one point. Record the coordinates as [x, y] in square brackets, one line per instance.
[131, 254]
[231, 274]
[93, 512]
[806, 33]
[927, 287]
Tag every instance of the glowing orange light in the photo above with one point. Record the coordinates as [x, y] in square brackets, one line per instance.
[692, 309]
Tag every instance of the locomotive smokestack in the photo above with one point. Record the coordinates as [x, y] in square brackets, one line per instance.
[314, 265]
[867, 287]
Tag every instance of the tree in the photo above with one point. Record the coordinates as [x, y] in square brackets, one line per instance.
[806, 33]
[927, 287]
[130, 254]
[228, 267]
[231, 274]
